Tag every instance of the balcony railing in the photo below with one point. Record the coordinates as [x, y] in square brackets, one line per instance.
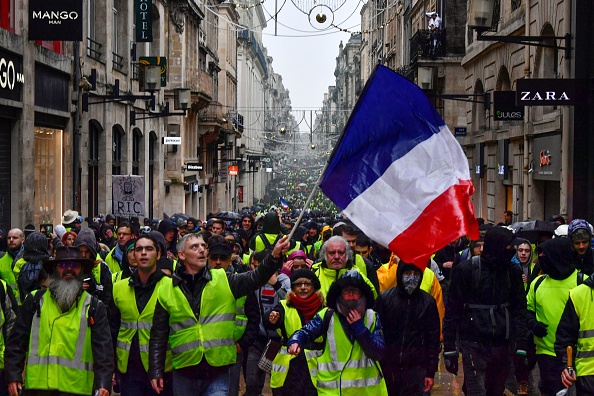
[94, 49]
[117, 62]
[427, 44]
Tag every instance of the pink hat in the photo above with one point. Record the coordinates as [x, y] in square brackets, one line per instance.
[297, 254]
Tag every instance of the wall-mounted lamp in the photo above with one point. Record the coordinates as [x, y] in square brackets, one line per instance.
[425, 77]
[114, 97]
[182, 98]
[484, 16]
[150, 77]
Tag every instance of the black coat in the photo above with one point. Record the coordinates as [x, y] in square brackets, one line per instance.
[411, 328]
[498, 284]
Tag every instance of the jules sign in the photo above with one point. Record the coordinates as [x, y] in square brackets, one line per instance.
[505, 108]
[143, 10]
[56, 20]
[550, 91]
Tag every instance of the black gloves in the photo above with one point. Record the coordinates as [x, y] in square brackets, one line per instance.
[451, 361]
[539, 329]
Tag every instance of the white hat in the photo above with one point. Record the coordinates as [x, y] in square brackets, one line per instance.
[69, 216]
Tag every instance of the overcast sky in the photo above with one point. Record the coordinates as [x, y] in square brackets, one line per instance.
[304, 56]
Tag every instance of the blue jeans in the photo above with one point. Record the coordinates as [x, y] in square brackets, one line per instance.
[186, 386]
[254, 377]
[139, 384]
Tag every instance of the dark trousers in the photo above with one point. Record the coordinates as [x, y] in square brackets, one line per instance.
[254, 377]
[235, 375]
[404, 381]
[139, 384]
[190, 386]
[584, 386]
[550, 374]
[486, 368]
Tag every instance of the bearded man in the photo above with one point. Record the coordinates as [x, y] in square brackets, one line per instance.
[62, 335]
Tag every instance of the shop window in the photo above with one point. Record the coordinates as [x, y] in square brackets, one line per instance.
[136, 138]
[48, 175]
[7, 10]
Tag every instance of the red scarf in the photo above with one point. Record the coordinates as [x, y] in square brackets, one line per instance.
[308, 307]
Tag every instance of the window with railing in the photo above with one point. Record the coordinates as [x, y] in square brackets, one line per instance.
[93, 45]
[136, 152]
[515, 4]
[117, 60]
[7, 10]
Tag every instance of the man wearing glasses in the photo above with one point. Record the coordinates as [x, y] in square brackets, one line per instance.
[114, 258]
[62, 335]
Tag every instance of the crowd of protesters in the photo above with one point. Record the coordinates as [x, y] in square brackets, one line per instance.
[187, 307]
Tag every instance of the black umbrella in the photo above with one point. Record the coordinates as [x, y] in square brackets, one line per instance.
[535, 231]
[178, 216]
[227, 215]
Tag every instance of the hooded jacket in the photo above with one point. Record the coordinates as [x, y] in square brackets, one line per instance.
[498, 283]
[548, 294]
[100, 284]
[164, 227]
[584, 262]
[527, 268]
[411, 326]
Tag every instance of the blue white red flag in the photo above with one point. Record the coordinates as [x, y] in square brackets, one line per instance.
[284, 204]
[398, 172]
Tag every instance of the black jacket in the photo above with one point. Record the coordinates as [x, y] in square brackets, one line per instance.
[17, 344]
[192, 287]
[498, 284]
[411, 327]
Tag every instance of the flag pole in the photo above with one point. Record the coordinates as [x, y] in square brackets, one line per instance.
[308, 201]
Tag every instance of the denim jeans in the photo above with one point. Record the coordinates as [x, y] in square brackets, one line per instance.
[187, 386]
[235, 375]
[254, 377]
[139, 384]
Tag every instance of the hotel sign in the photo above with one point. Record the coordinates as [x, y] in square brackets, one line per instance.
[550, 91]
[143, 9]
[56, 20]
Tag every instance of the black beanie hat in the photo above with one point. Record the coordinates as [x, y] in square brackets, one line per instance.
[307, 274]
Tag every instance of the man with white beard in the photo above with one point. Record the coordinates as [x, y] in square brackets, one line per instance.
[62, 335]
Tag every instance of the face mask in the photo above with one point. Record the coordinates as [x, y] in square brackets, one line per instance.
[344, 307]
[410, 282]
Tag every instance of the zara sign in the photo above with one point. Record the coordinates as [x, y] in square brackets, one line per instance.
[550, 91]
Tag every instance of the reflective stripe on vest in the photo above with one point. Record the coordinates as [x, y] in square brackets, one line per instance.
[241, 319]
[135, 323]
[584, 308]
[7, 275]
[344, 367]
[212, 334]
[2, 321]
[50, 371]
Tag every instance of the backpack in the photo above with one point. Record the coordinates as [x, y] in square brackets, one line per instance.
[28, 277]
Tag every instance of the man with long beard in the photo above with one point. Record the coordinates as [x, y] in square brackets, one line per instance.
[62, 335]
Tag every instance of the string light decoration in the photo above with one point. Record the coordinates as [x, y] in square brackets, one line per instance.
[380, 27]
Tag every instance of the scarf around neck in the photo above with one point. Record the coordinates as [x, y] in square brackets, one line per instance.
[308, 307]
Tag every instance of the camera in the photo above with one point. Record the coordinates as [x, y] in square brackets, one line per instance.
[46, 229]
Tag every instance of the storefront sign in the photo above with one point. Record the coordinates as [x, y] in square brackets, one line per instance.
[128, 195]
[56, 20]
[172, 140]
[546, 158]
[504, 106]
[503, 159]
[479, 159]
[144, 20]
[233, 170]
[549, 92]
[194, 166]
[459, 131]
[11, 76]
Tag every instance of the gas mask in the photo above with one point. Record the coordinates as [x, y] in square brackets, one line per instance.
[410, 282]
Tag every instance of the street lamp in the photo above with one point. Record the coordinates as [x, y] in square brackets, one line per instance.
[484, 16]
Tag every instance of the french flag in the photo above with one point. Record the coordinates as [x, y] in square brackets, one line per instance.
[284, 204]
[398, 172]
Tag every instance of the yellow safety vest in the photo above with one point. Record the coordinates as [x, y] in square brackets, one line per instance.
[581, 296]
[241, 319]
[7, 275]
[134, 322]
[282, 361]
[343, 368]
[210, 335]
[60, 355]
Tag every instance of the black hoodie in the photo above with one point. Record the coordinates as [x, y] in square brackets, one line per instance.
[411, 326]
[556, 261]
[100, 284]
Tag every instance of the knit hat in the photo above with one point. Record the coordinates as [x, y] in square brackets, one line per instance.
[222, 249]
[579, 229]
[297, 254]
[307, 274]
[60, 230]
